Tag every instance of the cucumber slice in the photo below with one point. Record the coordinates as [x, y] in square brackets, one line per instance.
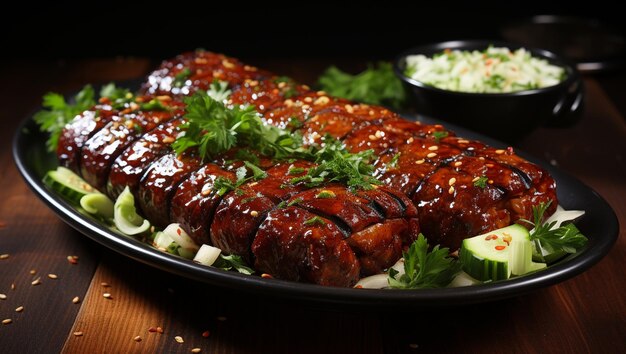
[68, 184]
[498, 254]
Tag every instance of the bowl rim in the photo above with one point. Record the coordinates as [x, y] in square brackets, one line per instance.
[572, 73]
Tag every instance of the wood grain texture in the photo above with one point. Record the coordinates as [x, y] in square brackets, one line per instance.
[584, 314]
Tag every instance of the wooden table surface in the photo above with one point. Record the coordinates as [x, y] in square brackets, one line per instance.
[583, 314]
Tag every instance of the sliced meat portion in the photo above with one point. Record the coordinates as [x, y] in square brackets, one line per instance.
[99, 152]
[131, 165]
[195, 200]
[192, 71]
[240, 212]
[160, 182]
[78, 131]
[289, 245]
[266, 94]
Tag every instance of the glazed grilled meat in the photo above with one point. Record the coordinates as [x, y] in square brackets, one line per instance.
[434, 182]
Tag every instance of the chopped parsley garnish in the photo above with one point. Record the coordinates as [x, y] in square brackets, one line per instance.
[257, 173]
[566, 238]
[423, 269]
[376, 85]
[336, 164]
[316, 220]
[325, 195]
[295, 202]
[481, 182]
[295, 171]
[294, 123]
[181, 78]
[232, 262]
[219, 91]
[394, 161]
[438, 135]
[58, 113]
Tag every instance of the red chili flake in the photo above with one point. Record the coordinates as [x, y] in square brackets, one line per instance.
[178, 231]
[358, 287]
[72, 259]
[206, 334]
[500, 248]
[152, 329]
[491, 237]
[510, 150]
[266, 276]
[159, 330]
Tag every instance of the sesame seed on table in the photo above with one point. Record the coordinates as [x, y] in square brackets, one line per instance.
[62, 292]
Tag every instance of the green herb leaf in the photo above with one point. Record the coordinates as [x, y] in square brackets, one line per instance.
[394, 161]
[58, 113]
[423, 269]
[181, 78]
[438, 135]
[566, 238]
[376, 85]
[232, 261]
[481, 182]
[316, 220]
[336, 164]
[256, 171]
[219, 91]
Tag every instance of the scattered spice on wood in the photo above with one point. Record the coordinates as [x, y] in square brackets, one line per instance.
[7, 321]
[196, 350]
[3, 297]
[72, 259]
[19, 309]
[106, 285]
[12, 286]
[4, 256]
[152, 329]
[137, 339]
[76, 299]
[33, 272]
[159, 330]
[179, 339]
[78, 334]
[36, 281]
[52, 276]
[206, 334]
[107, 296]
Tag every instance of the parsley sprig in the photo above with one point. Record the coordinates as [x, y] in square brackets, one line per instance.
[423, 269]
[232, 262]
[551, 239]
[336, 164]
[376, 85]
[58, 113]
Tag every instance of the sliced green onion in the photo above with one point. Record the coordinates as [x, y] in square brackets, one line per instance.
[98, 204]
[125, 215]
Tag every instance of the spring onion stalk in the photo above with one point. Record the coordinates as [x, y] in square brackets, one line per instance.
[125, 215]
[207, 255]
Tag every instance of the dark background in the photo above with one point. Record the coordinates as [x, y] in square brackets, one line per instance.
[302, 29]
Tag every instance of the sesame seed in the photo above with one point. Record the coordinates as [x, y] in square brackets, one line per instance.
[36, 281]
[7, 321]
[52, 276]
[433, 148]
[152, 329]
[489, 164]
[321, 93]
[206, 334]
[451, 190]
[107, 296]
[451, 181]
[321, 100]
[411, 140]
[4, 256]
[3, 297]
[499, 151]
[288, 102]
[463, 141]
[19, 309]
[106, 285]
[379, 134]
[228, 64]
[78, 334]
[419, 162]
[137, 339]
[305, 107]
[475, 179]
[266, 276]
[373, 137]
[349, 108]
[196, 350]
[179, 339]
[168, 140]
[160, 330]
[76, 299]
[254, 213]
[164, 98]
[308, 99]
[432, 154]
[458, 163]
[12, 286]
[490, 181]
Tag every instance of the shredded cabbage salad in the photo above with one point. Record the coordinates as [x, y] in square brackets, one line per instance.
[494, 70]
